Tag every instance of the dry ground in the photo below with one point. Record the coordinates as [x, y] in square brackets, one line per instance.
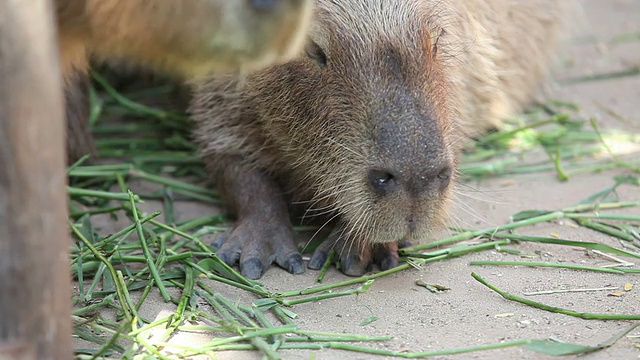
[466, 314]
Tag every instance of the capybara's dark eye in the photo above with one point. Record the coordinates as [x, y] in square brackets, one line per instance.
[315, 52]
[264, 4]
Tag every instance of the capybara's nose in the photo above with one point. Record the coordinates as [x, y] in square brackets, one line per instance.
[382, 181]
[414, 181]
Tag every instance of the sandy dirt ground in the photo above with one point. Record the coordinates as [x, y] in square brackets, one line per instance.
[466, 315]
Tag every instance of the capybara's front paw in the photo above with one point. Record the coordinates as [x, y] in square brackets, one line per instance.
[254, 244]
[355, 258]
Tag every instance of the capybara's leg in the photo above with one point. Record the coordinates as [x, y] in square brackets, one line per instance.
[262, 233]
[79, 138]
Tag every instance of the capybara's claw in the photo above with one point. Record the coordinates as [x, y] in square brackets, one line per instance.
[355, 260]
[318, 259]
[256, 244]
[386, 256]
[292, 262]
[252, 268]
[354, 264]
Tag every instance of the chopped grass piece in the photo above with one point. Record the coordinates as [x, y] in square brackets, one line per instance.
[541, 306]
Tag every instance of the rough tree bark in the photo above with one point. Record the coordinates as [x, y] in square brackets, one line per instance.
[34, 277]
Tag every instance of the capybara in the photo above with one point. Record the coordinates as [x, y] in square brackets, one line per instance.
[364, 127]
[185, 38]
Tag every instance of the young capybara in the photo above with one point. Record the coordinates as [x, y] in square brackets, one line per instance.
[364, 127]
[187, 38]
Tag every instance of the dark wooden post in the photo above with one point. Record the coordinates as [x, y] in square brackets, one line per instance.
[35, 291]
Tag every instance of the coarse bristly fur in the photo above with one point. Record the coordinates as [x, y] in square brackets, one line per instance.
[365, 126]
[186, 38]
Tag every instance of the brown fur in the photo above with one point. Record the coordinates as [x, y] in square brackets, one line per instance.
[187, 38]
[404, 82]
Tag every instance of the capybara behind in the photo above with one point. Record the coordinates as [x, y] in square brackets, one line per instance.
[187, 38]
[364, 127]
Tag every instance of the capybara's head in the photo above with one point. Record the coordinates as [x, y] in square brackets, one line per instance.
[360, 127]
[363, 118]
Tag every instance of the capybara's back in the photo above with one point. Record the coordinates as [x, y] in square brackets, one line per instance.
[504, 57]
